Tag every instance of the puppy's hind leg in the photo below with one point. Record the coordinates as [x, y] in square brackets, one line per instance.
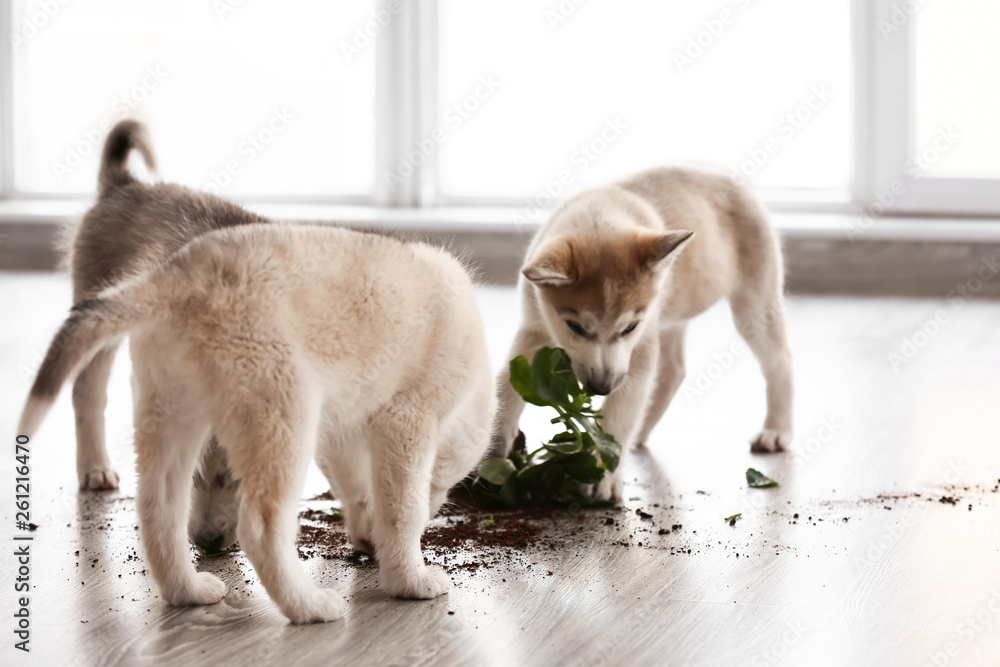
[90, 396]
[339, 458]
[168, 445]
[269, 447]
[761, 322]
[403, 440]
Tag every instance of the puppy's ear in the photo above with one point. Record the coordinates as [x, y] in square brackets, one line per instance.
[551, 265]
[658, 251]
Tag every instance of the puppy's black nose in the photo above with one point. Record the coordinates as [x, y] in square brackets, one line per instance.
[210, 544]
[599, 388]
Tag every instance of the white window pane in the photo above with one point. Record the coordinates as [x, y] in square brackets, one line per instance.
[215, 87]
[561, 84]
[957, 82]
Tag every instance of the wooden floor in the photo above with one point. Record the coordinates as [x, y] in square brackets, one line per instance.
[842, 564]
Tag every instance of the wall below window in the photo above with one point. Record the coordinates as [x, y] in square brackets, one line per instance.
[824, 254]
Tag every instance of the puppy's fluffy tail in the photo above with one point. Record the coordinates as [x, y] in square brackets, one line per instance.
[91, 325]
[124, 136]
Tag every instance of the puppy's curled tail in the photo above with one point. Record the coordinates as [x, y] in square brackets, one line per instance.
[124, 136]
[92, 323]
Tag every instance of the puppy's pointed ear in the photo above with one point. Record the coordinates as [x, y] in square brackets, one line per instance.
[551, 265]
[657, 251]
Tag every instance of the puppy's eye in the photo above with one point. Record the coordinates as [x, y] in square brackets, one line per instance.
[630, 328]
[576, 328]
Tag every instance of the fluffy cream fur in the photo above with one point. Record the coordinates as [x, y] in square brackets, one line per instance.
[615, 277]
[285, 342]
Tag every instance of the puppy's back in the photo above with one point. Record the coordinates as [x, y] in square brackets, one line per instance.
[371, 314]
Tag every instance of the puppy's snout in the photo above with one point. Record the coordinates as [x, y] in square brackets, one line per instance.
[210, 544]
[604, 383]
[600, 387]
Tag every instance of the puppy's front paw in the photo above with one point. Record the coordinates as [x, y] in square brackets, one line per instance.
[202, 588]
[99, 478]
[610, 488]
[362, 545]
[770, 440]
[322, 606]
[424, 583]
[359, 530]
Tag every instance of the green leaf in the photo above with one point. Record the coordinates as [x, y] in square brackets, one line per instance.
[732, 519]
[611, 451]
[565, 443]
[520, 379]
[703, 493]
[558, 470]
[552, 376]
[519, 458]
[583, 467]
[758, 480]
[510, 493]
[496, 470]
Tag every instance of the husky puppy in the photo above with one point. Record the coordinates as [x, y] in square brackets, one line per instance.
[615, 276]
[132, 226]
[287, 342]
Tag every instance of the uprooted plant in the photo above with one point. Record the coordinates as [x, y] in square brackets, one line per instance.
[559, 469]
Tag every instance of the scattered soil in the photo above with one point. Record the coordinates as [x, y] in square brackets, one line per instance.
[475, 533]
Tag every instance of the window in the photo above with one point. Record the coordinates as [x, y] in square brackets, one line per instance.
[241, 98]
[957, 86]
[933, 103]
[872, 105]
[615, 87]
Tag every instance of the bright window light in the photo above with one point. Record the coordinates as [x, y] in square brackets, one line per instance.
[760, 88]
[242, 98]
[957, 64]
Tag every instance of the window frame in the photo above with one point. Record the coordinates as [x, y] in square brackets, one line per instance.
[885, 69]
[406, 107]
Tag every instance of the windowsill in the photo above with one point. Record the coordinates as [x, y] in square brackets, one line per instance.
[802, 225]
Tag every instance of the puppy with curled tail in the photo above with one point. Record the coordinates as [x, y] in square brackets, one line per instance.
[132, 227]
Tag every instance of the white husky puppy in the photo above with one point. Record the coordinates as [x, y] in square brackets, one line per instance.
[131, 226]
[284, 342]
[607, 280]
